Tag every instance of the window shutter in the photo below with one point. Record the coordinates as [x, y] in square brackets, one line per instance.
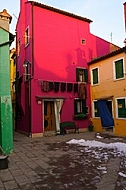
[86, 75]
[96, 111]
[77, 74]
[119, 69]
[95, 76]
[75, 107]
[121, 108]
[84, 106]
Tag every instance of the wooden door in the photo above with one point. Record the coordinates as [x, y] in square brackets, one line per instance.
[49, 116]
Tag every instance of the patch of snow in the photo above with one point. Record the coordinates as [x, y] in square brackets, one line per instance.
[122, 174]
[121, 147]
[99, 137]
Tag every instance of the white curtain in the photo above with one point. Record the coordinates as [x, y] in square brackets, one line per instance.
[57, 107]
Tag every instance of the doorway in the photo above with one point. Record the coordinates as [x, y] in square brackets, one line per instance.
[49, 116]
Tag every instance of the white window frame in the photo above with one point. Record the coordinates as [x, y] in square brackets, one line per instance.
[117, 107]
[92, 76]
[82, 81]
[93, 110]
[114, 71]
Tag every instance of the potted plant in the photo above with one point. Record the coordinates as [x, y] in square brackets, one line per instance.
[90, 126]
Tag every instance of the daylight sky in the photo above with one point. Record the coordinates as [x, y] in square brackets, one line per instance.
[107, 15]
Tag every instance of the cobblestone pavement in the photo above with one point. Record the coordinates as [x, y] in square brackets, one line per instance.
[51, 163]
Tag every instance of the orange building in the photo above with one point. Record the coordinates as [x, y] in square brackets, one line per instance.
[108, 92]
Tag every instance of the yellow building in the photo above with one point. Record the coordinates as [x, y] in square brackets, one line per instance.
[108, 92]
[12, 80]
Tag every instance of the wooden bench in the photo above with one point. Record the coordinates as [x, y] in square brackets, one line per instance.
[67, 125]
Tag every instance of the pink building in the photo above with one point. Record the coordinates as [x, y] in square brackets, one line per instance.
[53, 48]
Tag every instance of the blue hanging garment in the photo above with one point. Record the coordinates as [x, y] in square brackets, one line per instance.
[106, 117]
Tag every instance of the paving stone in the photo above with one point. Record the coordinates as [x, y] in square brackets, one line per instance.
[6, 177]
[21, 180]
[10, 185]
[50, 163]
[16, 172]
[1, 184]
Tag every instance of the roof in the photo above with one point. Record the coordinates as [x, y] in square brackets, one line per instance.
[116, 52]
[59, 11]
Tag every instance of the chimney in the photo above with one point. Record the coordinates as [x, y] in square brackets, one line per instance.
[124, 4]
[5, 19]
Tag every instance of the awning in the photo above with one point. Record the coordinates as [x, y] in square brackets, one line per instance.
[48, 97]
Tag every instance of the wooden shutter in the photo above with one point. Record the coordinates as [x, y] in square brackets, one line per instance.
[86, 75]
[95, 76]
[121, 108]
[77, 74]
[96, 111]
[84, 106]
[119, 69]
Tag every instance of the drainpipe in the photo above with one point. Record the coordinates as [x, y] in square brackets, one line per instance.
[32, 40]
[32, 72]
[6, 43]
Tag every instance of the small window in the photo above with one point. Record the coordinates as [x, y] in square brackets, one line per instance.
[18, 47]
[27, 37]
[121, 108]
[94, 75]
[95, 109]
[81, 75]
[27, 71]
[80, 106]
[83, 41]
[119, 69]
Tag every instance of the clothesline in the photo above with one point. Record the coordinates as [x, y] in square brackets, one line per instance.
[41, 80]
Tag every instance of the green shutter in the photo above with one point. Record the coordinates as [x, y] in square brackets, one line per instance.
[119, 69]
[77, 74]
[75, 107]
[121, 108]
[86, 75]
[96, 111]
[95, 76]
[84, 106]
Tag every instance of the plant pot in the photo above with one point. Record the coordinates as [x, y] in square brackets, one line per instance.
[3, 162]
[90, 128]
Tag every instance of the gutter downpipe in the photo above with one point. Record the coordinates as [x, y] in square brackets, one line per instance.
[32, 72]
[6, 43]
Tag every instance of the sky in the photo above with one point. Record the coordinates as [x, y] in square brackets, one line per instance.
[107, 15]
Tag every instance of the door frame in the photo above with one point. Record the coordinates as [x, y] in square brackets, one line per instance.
[58, 103]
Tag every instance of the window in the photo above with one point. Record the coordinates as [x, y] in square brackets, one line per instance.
[95, 109]
[80, 106]
[27, 70]
[118, 69]
[27, 36]
[81, 75]
[83, 41]
[121, 108]
[94, 76]
[18, 47]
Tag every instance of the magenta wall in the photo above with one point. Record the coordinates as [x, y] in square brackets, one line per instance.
[57, 51]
